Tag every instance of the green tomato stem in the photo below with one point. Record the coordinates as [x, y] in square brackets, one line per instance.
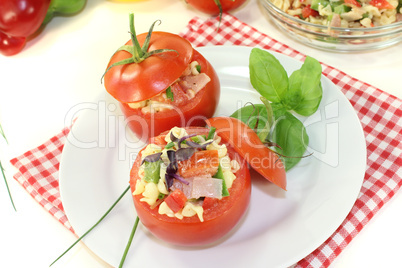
[138, 53]
[218, 3]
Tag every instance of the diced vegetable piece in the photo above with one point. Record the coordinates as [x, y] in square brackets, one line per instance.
[211, 133]
[169, 94]
[169, 145]
[382, 4]
[353, 3]
[219, 175]
[342, 9]
[316, 3]
[152, 171]
[176, 200]
[307, 11]
[198, 138]
[201, 163]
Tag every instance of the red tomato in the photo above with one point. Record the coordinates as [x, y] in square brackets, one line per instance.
[211, 7]
[307, 11]
[249, 146]
[141, 81]
[381, 4]
[219, 219]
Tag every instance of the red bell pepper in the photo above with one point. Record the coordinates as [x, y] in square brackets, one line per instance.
[176, 200]
[307, 11]
[18, 20]
[352, 3]
[21, 18]
[381, 4]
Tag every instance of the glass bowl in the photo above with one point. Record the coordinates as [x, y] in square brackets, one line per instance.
[335, 38]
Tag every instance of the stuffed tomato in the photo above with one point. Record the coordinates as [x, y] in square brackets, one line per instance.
[190, 188]
[161, 82]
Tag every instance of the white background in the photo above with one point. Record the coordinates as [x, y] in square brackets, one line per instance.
[42, 83]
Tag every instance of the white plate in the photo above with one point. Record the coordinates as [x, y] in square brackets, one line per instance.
[280, 227]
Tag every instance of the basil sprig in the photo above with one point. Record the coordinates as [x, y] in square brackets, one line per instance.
[282, 96]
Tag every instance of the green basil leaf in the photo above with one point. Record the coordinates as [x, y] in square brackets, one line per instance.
[305, 90]
[269, 120]
[291, 136]
[267, 75]
[251, 115]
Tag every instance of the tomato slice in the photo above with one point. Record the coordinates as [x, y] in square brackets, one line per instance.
[201, 163]
[249, 146]
[220, 216]
[141, 81]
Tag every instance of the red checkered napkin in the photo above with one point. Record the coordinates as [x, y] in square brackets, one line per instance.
[380, 115]
[38, 173]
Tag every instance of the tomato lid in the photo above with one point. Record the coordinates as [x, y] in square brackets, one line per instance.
[136, 82]
[247, 143]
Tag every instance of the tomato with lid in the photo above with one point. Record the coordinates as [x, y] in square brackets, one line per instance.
[161, 81]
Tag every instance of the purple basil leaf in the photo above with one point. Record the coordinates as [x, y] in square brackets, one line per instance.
[169, 180]
[172, 158]
[185, 138]
[184, 153]
[173, 137]
[171, 169]
[181, 179]
[151, 158]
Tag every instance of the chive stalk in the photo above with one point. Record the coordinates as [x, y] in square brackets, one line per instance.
[129, 242]
[90, 229]
[3, 173]
[8, 188]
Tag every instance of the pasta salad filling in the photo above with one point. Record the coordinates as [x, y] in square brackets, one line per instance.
[344, 13]
[177, 177]
[183, 89]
